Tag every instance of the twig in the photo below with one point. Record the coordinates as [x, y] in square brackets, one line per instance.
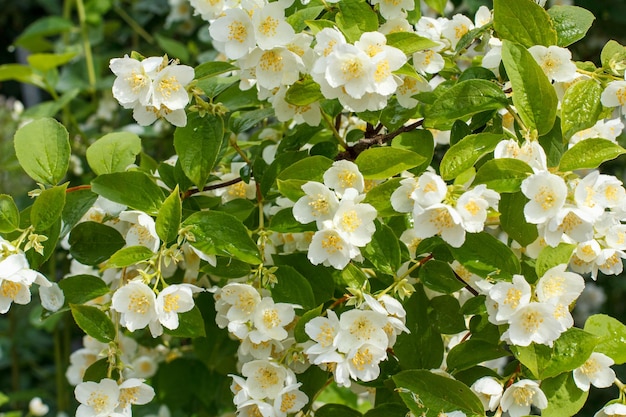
[189, 193]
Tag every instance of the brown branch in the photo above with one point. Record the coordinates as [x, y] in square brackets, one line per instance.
[467, 286]
[376, 139]
[78, 188]
[189, 193]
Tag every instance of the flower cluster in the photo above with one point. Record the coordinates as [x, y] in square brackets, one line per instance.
[541, 321]
[107, 398]
[344, 223]
[437, 211]
[153, 88]
[353, 344]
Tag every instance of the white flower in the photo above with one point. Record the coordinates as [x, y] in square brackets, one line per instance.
[483, 16]
[265, 379]
[97, 399]
[556, 62]
[530, 152]
[547, 193]
[558, 286]
[142, 231]
[134, 80]
[472, 205]
[359, 327]
[534, 322]
[612, 410]
[595, 371]
[235, 31]
[331, 248]
[355, 221]
[169, 87]
[489, 391]
[363, 361]
[37, 408]
[309, 114]
[342, 175]
[410, 86]
[391, 9]
[133, 391]
[172, 301]
[270, 27]
[137, 304]
[439, 219]
[323, 331]
[518, 398]
[290, 400]
[431, 189]
[454, 29]
[510, 297]
[428, 62]
[240, 300]
[209, 10]
[614, 95]
[16, 277]
[275, 67]
[146, 115]
[52, 297]
[270, 320]
[351, 68]
[319, 204]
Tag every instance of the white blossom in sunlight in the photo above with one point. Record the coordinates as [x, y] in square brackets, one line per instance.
[172, 301]
[133, 391]
[518, 398]
[350, 68]
[489, 392]
[329, 247]
[355, 221]
[342, 175]
[473, 204]
[265, 379]
[605, 129]
[323, 331]
[97, 399]
[209, 10]
[270, 320]
[530, 152]
[134, 80]
[428, 61]
[289, 400]
[533, 322]
[556, 62]
[595, 371]
[16, 277]
[411, 86]
[510, 297]
[360, 327]
[454, 29]
[614, 95]
[612, 410]
[235, 31]
[142, 230]
[169, 87]
[439, 219]
[137, 304]
[52, 297]
[270, 27]
[363, 361]
[391, 9]
[547, 193]
[318, 204]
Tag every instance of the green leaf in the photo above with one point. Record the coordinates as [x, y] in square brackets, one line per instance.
[384, 250]
[612, 336]
[423, 390]
[299, 19]
[571, 23]
[613, 57]
[35, 259]
[580, 107]
[9, 214]
[523, 21]
[419, 141]
[550, 257]
[534, 96]
[486, 256]
[78, 289]
[45, 61]
[198, 145]
[439, 276]
[472, 352]
[244, 121]
[409, 42]
[218, 233]
[94, 322]
[319, 277]
[569, 352]
[565, 399]
[380, 197]
[437, 5]
[291, 179]
[113, 152]
[513, 221]
[77, 203]
[92, 243]
[99, 370]
[172, 47]
[131, 255]
[213, 68]
[132, 188]
[336, 410]
[284, 222]
[445, 314]
[304, 92]
[32, 37]
[42, 148]
[384, 162]
[465, 99]
[503, 175]
[292, 287]
[48, 207]
[463, 155]
[354, 18]
[169, 217]
[190, 325]
[589, 154]
[21, 73]
[423, 338]
[387, 410]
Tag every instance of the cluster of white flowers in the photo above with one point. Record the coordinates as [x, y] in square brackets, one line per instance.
[16, 277]
[541, 321]
[612, 410]
[139, 306]
[353, 344]
[268, 387]
[108, 398]
[517, 399]
[437, 211]
[344, 223]
[153, 88]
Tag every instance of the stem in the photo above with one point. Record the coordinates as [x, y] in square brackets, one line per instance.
[467, 286]
[15, 358]
[414, 267]
[91, 73]
[189, 193]
[333, 129]
[517, 119]
[58, 367]
[78, 188]
[133, 24]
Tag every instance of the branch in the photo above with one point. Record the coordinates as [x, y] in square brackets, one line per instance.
[376, 139]
[189, 193]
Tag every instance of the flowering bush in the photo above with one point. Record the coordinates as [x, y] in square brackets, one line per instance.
[361, 198]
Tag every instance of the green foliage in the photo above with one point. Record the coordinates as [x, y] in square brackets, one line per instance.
[113, 152]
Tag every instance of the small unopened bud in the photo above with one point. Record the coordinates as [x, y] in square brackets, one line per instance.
[36, 407]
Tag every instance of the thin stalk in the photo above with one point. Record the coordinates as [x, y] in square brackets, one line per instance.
[333, 129]
[91, 73]
[133, 24]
